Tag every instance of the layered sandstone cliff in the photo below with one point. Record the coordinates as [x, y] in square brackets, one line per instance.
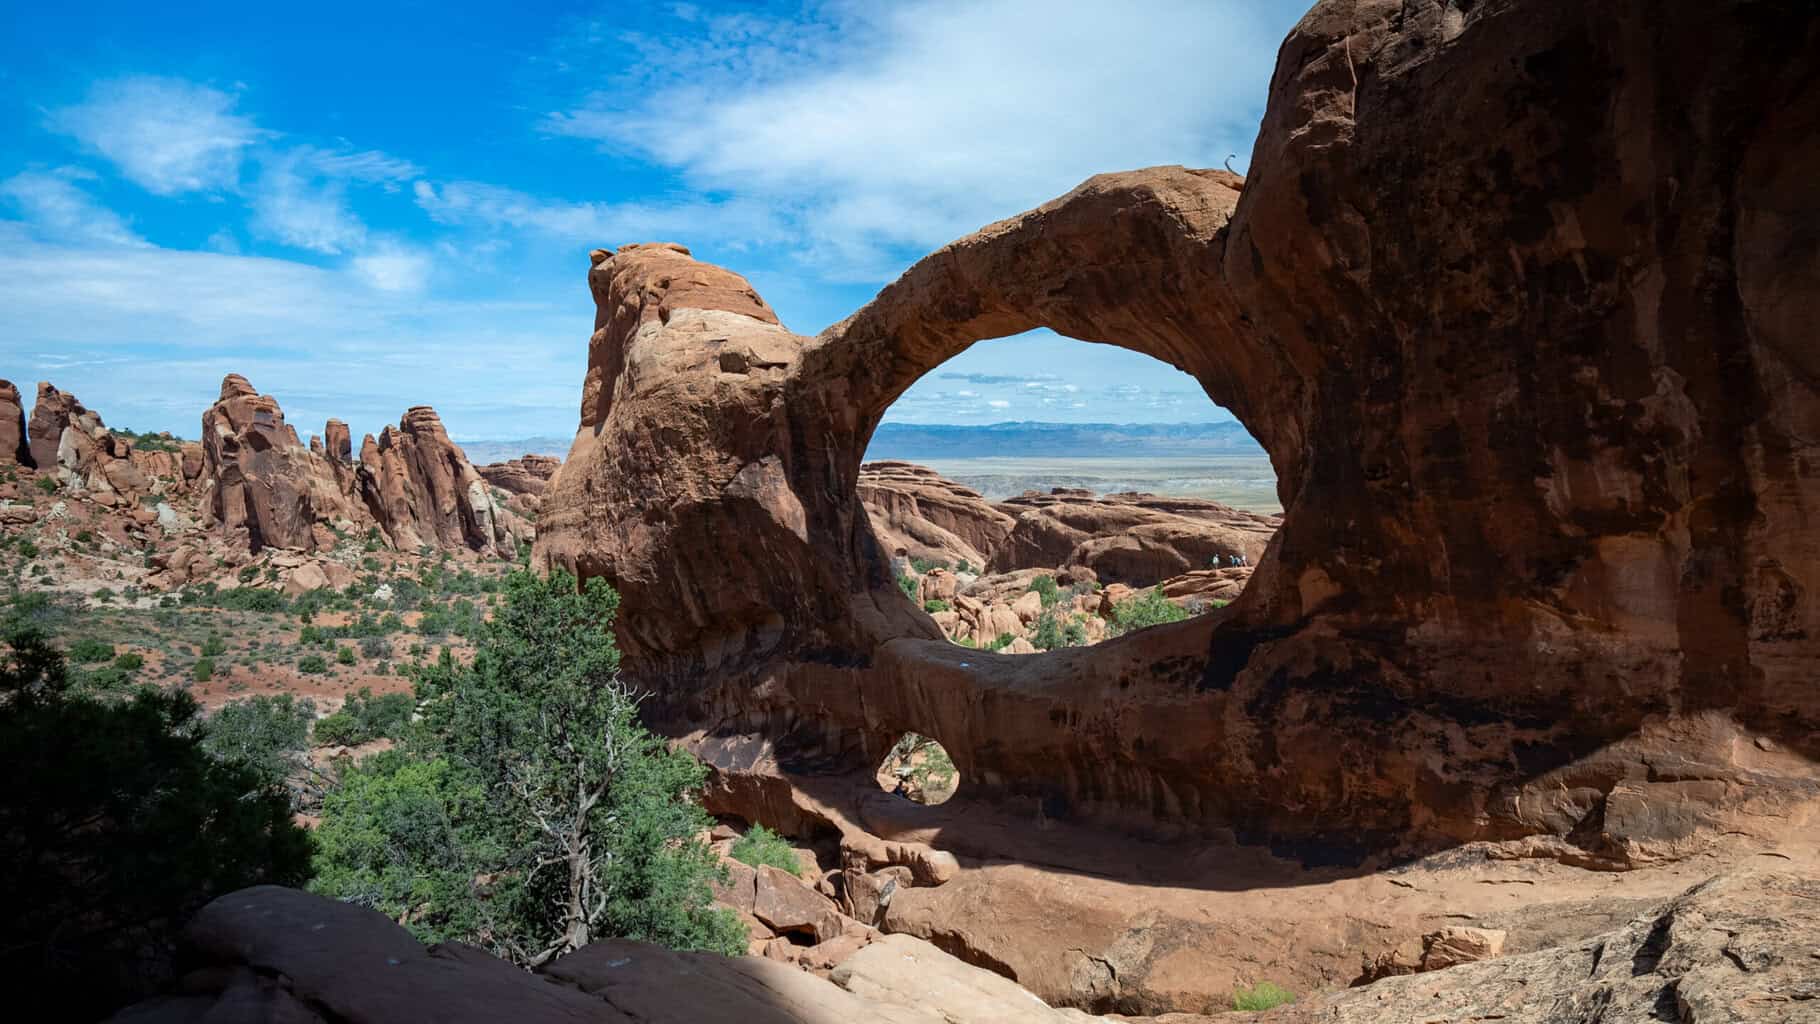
[422, 491]
[1510, 296]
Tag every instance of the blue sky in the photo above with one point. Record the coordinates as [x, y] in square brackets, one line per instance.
[366, 207]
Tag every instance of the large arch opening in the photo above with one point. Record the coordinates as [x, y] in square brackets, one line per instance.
[1035, 492]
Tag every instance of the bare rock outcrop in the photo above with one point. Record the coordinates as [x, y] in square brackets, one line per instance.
[265, 489]
[337, 442]
[421, 489]
[51, 413]
[1135, 539]
[528, 474]
[920, 514]
[15, 442]
[1548, 495]
[269, 953]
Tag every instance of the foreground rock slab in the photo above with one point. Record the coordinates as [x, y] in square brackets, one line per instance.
[276, 954]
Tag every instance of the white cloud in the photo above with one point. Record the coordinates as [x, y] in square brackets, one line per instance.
[999, 404]
[392, 267]
[53, 203]
[476, 204]
[301, 196]
[167, 135]
[900, 126]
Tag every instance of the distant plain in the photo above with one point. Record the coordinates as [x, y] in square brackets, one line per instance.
[1243, 481]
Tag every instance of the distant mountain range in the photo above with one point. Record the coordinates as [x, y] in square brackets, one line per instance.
[913, 441]
[481, 453]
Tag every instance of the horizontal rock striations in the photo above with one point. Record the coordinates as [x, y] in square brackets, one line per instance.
[1511, 297]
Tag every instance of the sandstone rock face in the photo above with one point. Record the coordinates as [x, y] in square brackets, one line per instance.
[529, 474]
[918, 513]
[266, 489]
[51, 413]
[269, 953]
[1513, 298]
[1135, 539]
[1737, 948]
[338, 442]
[421, 489]
[15, 443]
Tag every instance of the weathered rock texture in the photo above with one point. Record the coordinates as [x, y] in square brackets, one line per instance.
[1135, 539]
[918, 513]
[15, 443]
[1518, 297]
[414, 484]
[267, 489]
[269, 953]
[421, 489]
[529, 474]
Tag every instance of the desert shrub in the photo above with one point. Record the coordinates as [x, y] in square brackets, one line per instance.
[248, 574]
[1149, 608]
[203, 670]
[530, 770]
[264, 733]
[936, 605]
[760, 846]
[116, 826]
[1000, 642]
[923, 565]
[909, 585]
[250, 599]
[1074, 633]
[344, 656]
[47, 484]
[1047, 634]
[214, 646]
[364, 717]
[1262, 996]
[130, 662]
[27, 549]
[1046, 588]
[312, 665]
[105, 595]
[374, 647]
[965, 566]
[89, 650]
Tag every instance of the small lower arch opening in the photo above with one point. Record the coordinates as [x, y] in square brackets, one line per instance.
[919, 769]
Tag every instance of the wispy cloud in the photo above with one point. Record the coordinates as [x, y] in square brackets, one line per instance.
[900, 126]
[164, 134]
[53, 203]
[477, 204]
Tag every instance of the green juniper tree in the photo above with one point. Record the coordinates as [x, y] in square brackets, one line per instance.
[528, 810]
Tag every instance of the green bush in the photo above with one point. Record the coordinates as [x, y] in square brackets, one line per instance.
[312, 665]
[760, 845]
[204, 670]
[1149, 608]
[1262, 996]
[130, 662]
[28, 549]
[530, 771]
[923, 565]
[250, 599]
[344, 655]
[936, 605]
[1002, 641]
[1045, 588]
[264, 733]
[89, 650]
[47, 484]
[116, 826]
[909, 585]
[104, 595]
[214, 647]
[364, 717]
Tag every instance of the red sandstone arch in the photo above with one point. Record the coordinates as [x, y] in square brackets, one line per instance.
[1547, 477]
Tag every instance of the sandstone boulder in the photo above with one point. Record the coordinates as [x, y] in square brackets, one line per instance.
[783, 902]
[337, 442]
[51, 414]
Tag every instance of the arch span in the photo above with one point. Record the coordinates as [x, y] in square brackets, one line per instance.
[1543, 479]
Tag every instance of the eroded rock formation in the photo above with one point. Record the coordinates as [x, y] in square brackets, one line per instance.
[920, 514]
[421, 489]
[15, 442]
[1135, 539]
[266, 489]
[1513, 299]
